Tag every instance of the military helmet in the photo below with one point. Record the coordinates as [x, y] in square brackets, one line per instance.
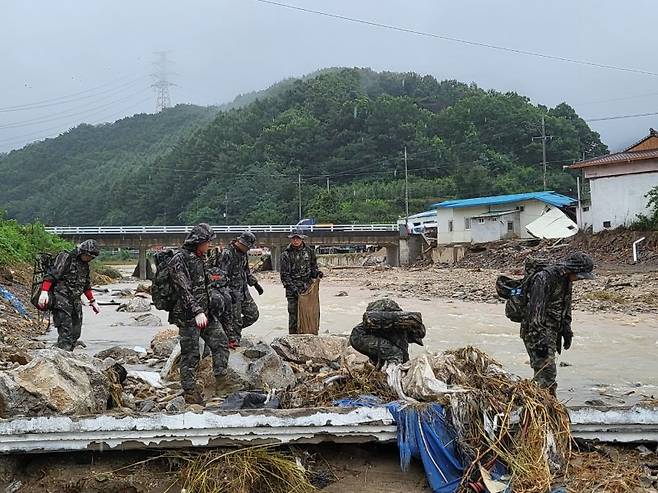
[383, 305]
[581, 264]
[200, 233]
[248, 239]
[89, 247]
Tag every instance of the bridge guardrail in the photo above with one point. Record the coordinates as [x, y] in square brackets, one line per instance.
[260, 228]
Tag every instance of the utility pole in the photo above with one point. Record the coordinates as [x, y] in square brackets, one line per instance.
[299, 193]
[225, 205]
[544, 138]
[327, 184]
[161, 83]
[406, 185]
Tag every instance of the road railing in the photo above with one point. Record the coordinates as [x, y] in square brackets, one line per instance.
[236, 229]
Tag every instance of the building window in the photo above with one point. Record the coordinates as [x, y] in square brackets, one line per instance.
[606, 224]
[467, 223]
[481, 220]
[450, 226]
[520, 208]
[510, 226]
[585, 209]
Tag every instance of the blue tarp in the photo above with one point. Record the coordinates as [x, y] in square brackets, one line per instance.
[424, 434]
[15, 302]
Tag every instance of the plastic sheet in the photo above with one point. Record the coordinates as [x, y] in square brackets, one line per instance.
[15, 302]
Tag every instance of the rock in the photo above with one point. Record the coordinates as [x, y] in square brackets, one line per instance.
[6, 275]
[595, 403]
[136, 305]
[564, 364]
[259, 367]
[14, 487]
[143, 288]
[147, 406]
[128, 400]
[120, 354]
[54, 382]
[164, 341]
[21, 358]
[151, 378]
[195, 408]
[176, 405]
[322, 350]
[143, 320]
[342, 293]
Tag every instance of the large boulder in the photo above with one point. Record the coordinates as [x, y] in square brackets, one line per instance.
[143, 320]
[258, 367]
[54, 382]
[138, 304]
[320, 349]
[164, 341]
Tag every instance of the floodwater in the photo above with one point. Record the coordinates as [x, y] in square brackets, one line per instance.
[613, 357]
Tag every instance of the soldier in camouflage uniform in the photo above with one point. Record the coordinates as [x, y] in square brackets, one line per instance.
[69, 278]
[191, 313]
[383, 337]
[548, 320]
[299, 266]
[234, 261]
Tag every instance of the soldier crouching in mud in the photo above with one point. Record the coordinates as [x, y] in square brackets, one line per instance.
[548, 317]
[194, 314]
[386, 331]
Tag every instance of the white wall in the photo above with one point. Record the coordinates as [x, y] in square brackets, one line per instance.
[619, 199]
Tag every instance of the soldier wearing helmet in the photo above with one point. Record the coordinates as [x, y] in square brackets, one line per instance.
[234, 262]
[63, 285]
[548, 321]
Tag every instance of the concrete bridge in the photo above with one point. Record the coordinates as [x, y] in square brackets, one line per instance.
[275, 237]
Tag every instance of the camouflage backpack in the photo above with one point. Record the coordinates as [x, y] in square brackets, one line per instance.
[163, 290]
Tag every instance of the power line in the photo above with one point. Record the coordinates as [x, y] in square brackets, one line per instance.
[620, 117]
[460, 40]
[63, 99]
[36, 121]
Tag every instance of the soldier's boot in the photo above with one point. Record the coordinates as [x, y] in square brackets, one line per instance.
[224, 387]
[193, 397]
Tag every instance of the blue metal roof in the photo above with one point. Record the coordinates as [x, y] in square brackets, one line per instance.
[551, 198]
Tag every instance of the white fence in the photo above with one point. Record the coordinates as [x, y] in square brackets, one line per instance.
[264, 228]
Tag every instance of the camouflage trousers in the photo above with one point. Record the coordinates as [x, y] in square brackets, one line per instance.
[244, 313]
[379, 349]
[215, 339]
[293, 302]
[542, 359]
[67, 318]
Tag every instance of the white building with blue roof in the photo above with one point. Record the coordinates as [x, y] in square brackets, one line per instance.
[485, 219]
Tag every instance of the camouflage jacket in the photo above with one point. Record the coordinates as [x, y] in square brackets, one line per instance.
[549, 307]
[235, 265]
[188, 272]
[69, 275]
[299, 266]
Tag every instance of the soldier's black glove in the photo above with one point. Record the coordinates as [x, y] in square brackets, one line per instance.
[320, 274]
[259, 289]
[567, 336]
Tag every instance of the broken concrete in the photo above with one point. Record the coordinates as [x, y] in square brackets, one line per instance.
[54, 382]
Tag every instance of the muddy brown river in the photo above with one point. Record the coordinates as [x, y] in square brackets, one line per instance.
[613, 357]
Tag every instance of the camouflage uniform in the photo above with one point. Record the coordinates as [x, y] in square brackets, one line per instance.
[244, 311]
[188, 272]
[70, 277]
[384, 342]
[548, 320]
[299, 266]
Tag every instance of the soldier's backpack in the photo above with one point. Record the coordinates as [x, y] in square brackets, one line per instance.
[163, 290]
[42, 264]
[515, 291]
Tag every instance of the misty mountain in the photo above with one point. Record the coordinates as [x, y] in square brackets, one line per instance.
[341, 133]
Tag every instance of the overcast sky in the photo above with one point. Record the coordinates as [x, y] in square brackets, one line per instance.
[74, 61]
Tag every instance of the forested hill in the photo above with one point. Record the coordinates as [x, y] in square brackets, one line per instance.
[73, 178]
[342, 132]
